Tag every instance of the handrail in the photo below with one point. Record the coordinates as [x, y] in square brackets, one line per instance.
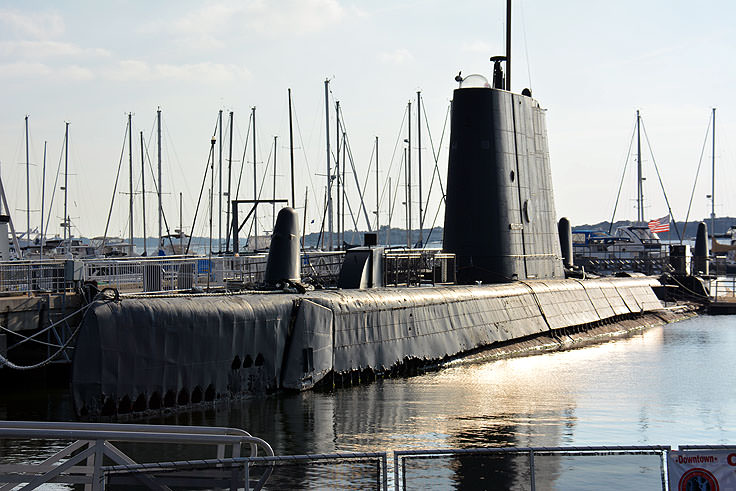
[82, 461]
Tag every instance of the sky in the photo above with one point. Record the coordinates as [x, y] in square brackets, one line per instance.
[590, 64]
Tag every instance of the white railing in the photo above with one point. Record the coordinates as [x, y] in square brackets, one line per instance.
[174, 273]
[723, 289]
[84, 460]
[93, 461]
[27, 276]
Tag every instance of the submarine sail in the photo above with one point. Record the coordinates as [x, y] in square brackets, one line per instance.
[500, 215]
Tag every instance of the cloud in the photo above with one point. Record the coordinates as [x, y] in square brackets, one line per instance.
[47, 49]
[396, 57]
[75, 73]
[38, 25]
[24, 69]
[33, 70]
[294, 16]
[141, 71]
[214, 25]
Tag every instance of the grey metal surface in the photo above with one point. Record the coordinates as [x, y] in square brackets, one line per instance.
[162, 352]
[155, 352]
[500, 215]
[565, 232]
[283, 255]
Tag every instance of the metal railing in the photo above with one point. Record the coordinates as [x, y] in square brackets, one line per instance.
[171, 273]
[648, 265]
[322, 267]
[93, 461]
[640, 467]
[723, 289]
[337, 471]
[418, 267]
[27, 276]
[83, 461]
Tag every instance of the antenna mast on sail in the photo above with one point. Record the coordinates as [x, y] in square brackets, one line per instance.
[508, 45]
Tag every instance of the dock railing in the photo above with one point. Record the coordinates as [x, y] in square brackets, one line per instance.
[91, 456]
[402, 267]
[241, 461]
[723, 289]
[602, 467]
[28, 276]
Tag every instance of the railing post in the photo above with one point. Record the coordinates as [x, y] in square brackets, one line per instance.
[384, 459]
[90, 463]
[531, 470]
[97, 476]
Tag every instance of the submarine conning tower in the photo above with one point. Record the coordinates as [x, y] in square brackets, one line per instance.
[500, 218]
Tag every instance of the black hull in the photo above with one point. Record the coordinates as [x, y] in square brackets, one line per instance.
[149, 354]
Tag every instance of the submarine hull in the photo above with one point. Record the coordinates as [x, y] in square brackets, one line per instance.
[147, 354]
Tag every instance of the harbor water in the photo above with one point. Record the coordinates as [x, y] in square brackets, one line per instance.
[669, 385]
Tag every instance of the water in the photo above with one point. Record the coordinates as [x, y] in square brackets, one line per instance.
[670, 385]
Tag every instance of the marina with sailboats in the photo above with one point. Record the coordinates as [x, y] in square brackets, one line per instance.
[275, 328]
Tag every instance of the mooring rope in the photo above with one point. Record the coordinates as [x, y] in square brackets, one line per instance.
[102, 295]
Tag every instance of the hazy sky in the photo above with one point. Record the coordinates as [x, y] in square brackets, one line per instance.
[591, 64]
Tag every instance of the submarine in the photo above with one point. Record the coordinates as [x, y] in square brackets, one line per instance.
[137, 354]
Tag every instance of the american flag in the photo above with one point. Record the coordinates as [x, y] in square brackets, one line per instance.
[660, 224]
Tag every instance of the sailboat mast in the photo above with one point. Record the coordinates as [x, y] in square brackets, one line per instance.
[181, 225]
[28, 190]
[713, 180]
[43, 195]
[329, 173]
[390, 210]
[407, 198]
[291, 155]
[343, 196]
[160, 183]
[340, 211]
[378, 199]
[219, 199]
[130, 180]
[304, 217]
[419, 164]
[273, 205]
[639, 178]
[408, 180]
[143, 196]
[229, 184]
[255, 185]
[212, 189]
[65, 222]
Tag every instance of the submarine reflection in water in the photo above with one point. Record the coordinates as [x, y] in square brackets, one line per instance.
[610, 394]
